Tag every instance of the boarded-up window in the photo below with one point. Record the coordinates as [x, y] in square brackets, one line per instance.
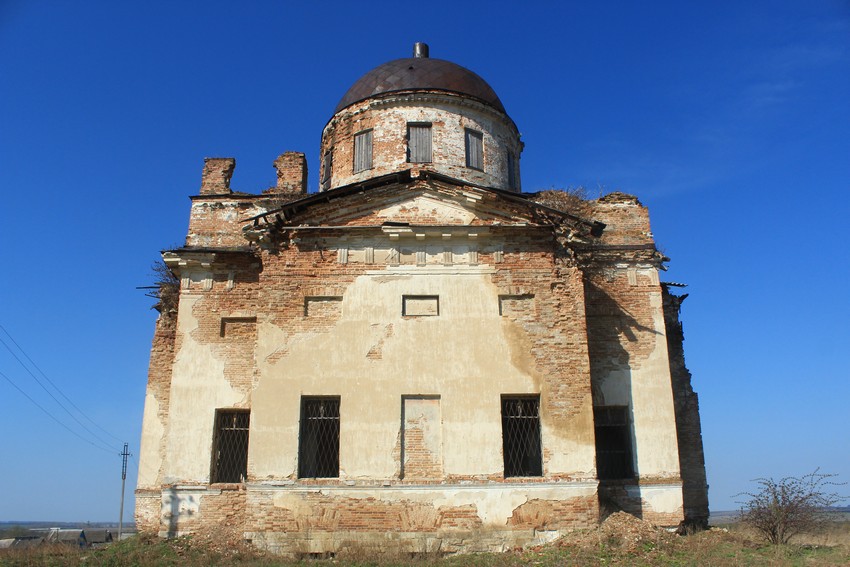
[327, 169]
[230, 446]
[419, 143]
[521, 436]
[318, 441]
[474, 149]
[363, 151]
[613, 442]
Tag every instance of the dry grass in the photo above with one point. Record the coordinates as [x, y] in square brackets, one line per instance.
[619, 541]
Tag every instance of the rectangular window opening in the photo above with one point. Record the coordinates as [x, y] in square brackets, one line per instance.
[318, 440]
[521, 436]
[363, 151]
[419, 143]
[613, 442]
[230, 446]
[474, 149]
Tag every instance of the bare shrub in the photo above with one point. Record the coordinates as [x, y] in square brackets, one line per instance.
[570, 200]
[782, 508]
[166, 289]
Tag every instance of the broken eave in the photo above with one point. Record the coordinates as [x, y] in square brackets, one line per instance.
[202, 257]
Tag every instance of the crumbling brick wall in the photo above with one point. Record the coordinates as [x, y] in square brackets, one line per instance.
[688, 424]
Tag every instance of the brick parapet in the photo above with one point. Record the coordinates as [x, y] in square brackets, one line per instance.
[626, 220]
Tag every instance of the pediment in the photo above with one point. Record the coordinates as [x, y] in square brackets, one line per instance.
[421, 203]
[427, 208]
[426, 201]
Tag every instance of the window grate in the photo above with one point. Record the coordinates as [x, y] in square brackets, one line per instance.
[613, 442]
[521, 436]
[230, 447]
[318, 451]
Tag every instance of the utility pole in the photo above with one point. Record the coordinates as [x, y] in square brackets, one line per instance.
[124, 454]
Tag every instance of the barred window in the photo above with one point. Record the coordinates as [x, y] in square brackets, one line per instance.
[318, 445]
[419, 143]
[363, 151]
[230, 446]
[521, 436]
[474, 149]
[613, 442]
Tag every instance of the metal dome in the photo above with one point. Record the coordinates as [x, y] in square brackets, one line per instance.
[420, 73]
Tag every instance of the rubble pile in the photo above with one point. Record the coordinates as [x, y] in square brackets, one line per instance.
[622, 531]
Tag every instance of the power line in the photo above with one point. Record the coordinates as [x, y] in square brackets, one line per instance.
[40, 371]
[51, 416]
[55, 399]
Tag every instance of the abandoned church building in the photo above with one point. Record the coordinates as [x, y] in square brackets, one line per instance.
[419, 356]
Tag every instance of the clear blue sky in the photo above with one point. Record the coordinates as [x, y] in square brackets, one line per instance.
[730, 120]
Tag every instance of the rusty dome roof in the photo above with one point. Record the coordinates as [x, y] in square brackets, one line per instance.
[420, 73]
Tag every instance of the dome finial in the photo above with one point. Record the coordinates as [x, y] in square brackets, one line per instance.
[420, 50]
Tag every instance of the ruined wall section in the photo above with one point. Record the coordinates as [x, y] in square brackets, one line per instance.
[688, 425]
[388, 117]
[214, 366]
[543, 295]
[154, 425]
[628, 354]
[218, 214]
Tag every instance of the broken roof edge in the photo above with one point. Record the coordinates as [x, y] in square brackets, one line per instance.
[406, 176]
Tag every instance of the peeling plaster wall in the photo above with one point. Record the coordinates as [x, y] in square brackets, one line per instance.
[197, 388]
[419, 329]
[457, 355]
